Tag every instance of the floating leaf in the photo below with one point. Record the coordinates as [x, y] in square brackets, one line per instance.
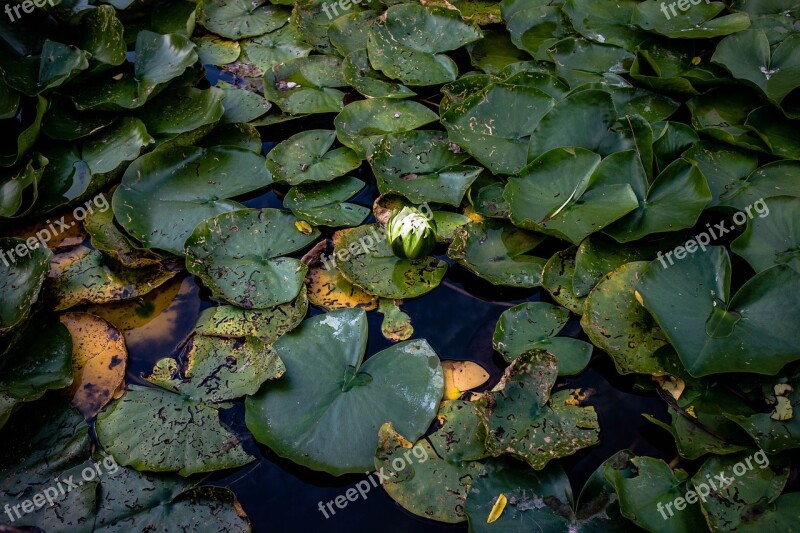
[236, 19]
[396, 325]
[302, 416]
[238, 256]
[22, 276]
[306, 85]
[324, 204]
[328, 289]
[461, 376]
[307, 157]
[772, 238]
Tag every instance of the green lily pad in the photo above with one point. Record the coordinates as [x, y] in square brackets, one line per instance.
[50, 442]
[714, 332]
[647, 489]
[537, 28]
[109, 239]
[534, 325]
[523, 419]
[176, 17]
[615, 322]
[779, 516]
[777, 132]
[695, 21]
[447, 223]
[673, 202]
[570, 193]
[26, 138]
[133, 430]
[494, 120]
[747, 56]
[217, 369]
[38, 361]
[435, 475]
[358, 72]
[495, 251]
[19, 187]
[558, 280]
[772, 238]
[494, 52]
[274, 48]
[306, 157]
[242, 135]
[306, 85]
[164, 195]
[598, 255]
[236, 19]
[582, 58]
[350, 31]
[423, 166]
[722, 114]
[745, 494]
[408, 40]
[159, 59]
[365, 259]
[396, 325]
[238, 256]
[606, 23]
[9, 101]
[83, 275]
[242, 105]
[182, 110]
[22, 277]
[229, 321]
[101, 34]
[75, 171]
[726, 170]
[214, 50]
[63, 122]
[326, 412]
[362, 124]
[324, 204]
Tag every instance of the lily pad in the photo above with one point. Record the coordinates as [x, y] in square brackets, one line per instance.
[366, 260]
[495, 250]
[358, 73]
[396, 325]
[715, 332]
[306, 157]
[306, 85]
[317, 414]
[523, 419]
[534, 325]
[423, 166]
[696, 21]
[274, 48]
[408, 40]
[238, 256]
[22, 277]
[236, 19]
[39, 360]
[328, 289]
[324, 204]
[164, 195]
[558, 279]
[772, 238]
[614, 321]
[362, 124]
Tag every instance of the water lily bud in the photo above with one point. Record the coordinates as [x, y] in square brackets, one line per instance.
[411, 234]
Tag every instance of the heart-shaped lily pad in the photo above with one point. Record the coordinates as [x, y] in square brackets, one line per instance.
[715, 332]
[22, 275]
[238, 256]
[365, 258]
[695, 21]
[236, 19]
[328, 289]
[306, 85]
[307, 157]
[408, 40]
[165, 194]
[535, 325]
[323, 204]
[326, 411]
[773, 237]
[423, 166]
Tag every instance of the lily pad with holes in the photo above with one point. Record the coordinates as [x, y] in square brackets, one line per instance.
[306, 85]
[496, 251]
[237, 19]
[396, 325]
[307, 157]
[535, 325]
[271, 49]
[365, 258]
[423, 166]
[218, 369]
[326, 411]
[714, 331]
[165, 194]
[229, 321]
[133, 429]
[522, 419]
[614, 321]
[558, 280]
[328, 289]
[238, 255]
[436, 472]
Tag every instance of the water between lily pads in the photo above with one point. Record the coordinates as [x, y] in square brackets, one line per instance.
[458, 319]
